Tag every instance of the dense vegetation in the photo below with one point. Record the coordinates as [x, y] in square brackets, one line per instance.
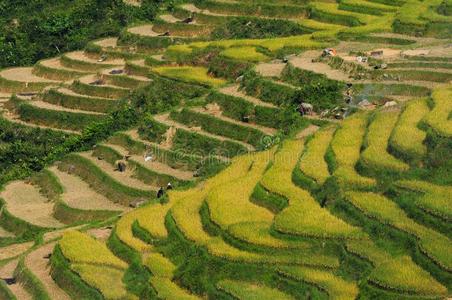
[33, 30]
[214, 153]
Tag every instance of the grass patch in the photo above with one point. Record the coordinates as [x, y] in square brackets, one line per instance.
[198, 75]
[303, 216]
[376, 155]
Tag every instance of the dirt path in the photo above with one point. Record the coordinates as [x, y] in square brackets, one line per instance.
[136, 77]
[136, 3]
[66, 91]
[272, 69]
[265, 130]
[233, 90]
[169, 18]
[101, 234]
[78, 193]
[25, 202]
[311, 129]
[40, 267]
[7, 271]
[165, 119]
[305, 62]
[24, 75]
[144, 30]
[122, 177]
[15, 119]
[47, 105]
[55, 63]
[91, 78]
[108, 42]
[80, 56]
[154, 165]
[14, 250]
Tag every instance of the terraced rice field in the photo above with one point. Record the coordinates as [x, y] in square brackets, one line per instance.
[285, 173]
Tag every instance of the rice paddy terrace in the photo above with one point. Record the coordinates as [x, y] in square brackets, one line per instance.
[352, 200]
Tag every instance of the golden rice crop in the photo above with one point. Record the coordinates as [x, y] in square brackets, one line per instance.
[152, 219]
[251, 291]
[336, 287]
[159, 265]
[218, 247]
[376, 155]
[369, 4]
[124, 232]
[272, 44]
[312, 162]
[406, 127]
[190, 74]
[434, 244]
[346, 146]
[403, 275]
[368, 250]
[435, 198]
[258, 233]
[185, 211]
[107, 280]
[333, 8]
[79, 247]
[303, 216]
[244, 53]
[317, 25]
[438, 117]
[166, 289]
[396, 273]
[229, 203]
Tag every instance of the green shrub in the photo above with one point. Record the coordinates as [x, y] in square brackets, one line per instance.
[247, 9]
[99, 91]
[216, 126]
[52, 118]
[79, 102]
[101, 182]
[251, 28]
[194, 143]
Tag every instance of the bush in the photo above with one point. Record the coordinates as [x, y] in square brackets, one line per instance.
[194, 143]
[52, 118]
[252, 28]
[100, 105]
[220, 127]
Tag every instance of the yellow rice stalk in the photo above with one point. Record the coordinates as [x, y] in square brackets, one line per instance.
[312, 162]
[247, 290]
[79, 247]
[407, 137]
[258, 233]
[159, 265]
[396, 273]
[230, 203]
[166, 289]
[303, 216]
[124, 232]
[432, 243]
[107, 280]
[435, 200]
[245, 53]
[376, 155]
[438, 118]
[336, 287]
[190, 74]
[346, 146]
